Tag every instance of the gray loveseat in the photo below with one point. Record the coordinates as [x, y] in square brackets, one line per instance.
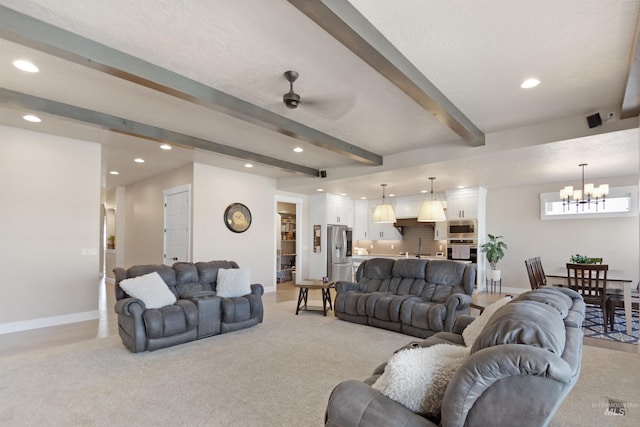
[521, 366]
[417, 297]
[197, 313]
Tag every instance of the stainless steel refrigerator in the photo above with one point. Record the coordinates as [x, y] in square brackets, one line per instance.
[339, 248]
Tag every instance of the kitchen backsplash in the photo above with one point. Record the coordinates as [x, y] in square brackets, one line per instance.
[409, 243]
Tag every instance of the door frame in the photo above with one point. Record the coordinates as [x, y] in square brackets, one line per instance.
[300, 234]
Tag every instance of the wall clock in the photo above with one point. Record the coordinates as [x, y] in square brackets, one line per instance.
[237, 217]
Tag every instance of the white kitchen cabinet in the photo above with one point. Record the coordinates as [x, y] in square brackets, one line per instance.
[361, 220]
[462, 204]
[379, 231]
[339, 210]
[440, 230]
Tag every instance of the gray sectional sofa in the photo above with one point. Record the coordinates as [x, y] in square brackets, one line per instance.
[521, 366]
[417, 297]
[197, 312]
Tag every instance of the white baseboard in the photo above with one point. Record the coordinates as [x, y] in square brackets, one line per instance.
[45, 322]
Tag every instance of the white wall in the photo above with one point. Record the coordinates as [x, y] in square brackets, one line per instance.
[213, 190]
[49, 214]
[144, 216]
[515, 214]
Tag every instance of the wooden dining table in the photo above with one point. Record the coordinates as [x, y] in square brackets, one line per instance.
[615, 280]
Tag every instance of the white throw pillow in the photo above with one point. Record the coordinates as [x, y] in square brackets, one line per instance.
[418, 377]
[150, 288]
[233, 282]
[474, 328]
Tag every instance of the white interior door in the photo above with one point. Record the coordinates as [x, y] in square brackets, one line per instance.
[177, 224]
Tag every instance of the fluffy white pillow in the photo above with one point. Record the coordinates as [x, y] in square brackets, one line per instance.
[150, 288]
[473, 329]
[233, 282]
[418, 377]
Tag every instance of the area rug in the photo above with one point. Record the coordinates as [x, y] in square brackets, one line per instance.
[593, 327]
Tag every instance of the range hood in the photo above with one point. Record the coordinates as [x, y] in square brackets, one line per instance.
[411, 222]
[402, 223]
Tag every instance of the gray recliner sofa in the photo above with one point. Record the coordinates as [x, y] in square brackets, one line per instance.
[521, 366]
[197, 313]
[417, 297]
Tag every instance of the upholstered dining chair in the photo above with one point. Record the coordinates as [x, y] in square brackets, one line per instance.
[590, 280]
[616, 301]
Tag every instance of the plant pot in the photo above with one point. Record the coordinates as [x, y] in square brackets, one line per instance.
[494, 275]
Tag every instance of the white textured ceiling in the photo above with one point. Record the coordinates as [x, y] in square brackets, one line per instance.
[477, 54]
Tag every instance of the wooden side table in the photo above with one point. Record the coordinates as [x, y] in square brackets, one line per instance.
[303, 295]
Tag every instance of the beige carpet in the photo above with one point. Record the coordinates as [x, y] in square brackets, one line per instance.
[279, 373]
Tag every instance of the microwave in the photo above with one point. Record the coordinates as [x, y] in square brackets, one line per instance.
[465, 229]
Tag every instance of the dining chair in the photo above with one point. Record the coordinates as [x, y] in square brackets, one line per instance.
[590, 280]
[616, 301]
[535, 272]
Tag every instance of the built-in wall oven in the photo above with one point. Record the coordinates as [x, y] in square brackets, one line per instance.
[463, 250]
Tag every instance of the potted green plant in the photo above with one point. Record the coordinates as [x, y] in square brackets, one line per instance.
[494, 250]
[581, 259]
[111, 241]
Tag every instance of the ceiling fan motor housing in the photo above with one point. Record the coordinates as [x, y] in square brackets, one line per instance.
[291, 99]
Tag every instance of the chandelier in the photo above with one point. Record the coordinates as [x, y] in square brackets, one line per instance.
[383, 213]
[587, 195]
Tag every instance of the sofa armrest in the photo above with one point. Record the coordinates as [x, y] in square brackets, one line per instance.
[456, 304]
[461, 323]
[345, 286]
[130, 323]
[130, 307]
[354, 403]
[257, 289]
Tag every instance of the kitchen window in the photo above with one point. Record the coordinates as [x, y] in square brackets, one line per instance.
[621, 202]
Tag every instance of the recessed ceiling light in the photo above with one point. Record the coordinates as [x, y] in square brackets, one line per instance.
[363, 198]
[343, 194]
[424, 191]
[320, 189]
[392, 195]
[248, 165]
[32, 118]
[24, 65]
[298, 150]
[529, 83]
[165, 147]
[460, 187]
[114, 173]
[138, 160]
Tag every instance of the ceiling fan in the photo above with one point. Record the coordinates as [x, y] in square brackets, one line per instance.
[329, 106]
